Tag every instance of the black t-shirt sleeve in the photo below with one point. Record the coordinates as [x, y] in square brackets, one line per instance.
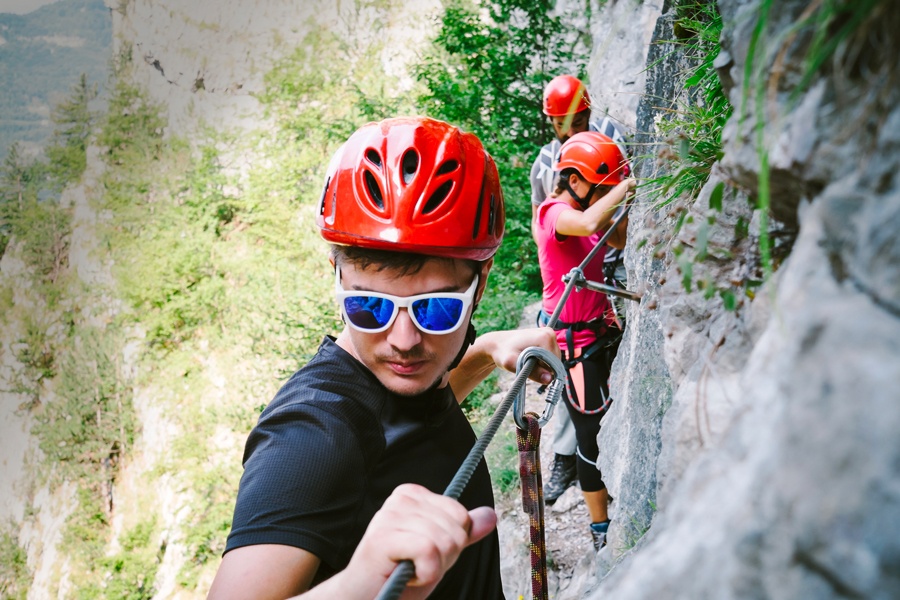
[301, 484]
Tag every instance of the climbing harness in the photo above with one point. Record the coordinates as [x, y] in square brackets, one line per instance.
[528, 438]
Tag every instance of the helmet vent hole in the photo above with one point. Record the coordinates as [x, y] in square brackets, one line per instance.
[491, 215]
[603, 169]
[410, 165]
[374, 190]
[447, 167]
[373, 157]
[324, 195]
[437, 197]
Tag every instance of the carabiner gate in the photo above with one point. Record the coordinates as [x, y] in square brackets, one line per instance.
[554, 390]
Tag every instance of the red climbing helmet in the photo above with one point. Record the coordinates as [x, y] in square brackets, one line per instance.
[565, 95]
[413, 184]
[596, 158]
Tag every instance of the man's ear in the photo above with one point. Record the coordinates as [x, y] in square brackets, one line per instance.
[482, 278]
[331, 260]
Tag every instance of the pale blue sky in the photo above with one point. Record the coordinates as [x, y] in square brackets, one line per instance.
[22, 6]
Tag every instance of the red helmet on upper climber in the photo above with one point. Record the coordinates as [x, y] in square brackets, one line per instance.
[565, 95]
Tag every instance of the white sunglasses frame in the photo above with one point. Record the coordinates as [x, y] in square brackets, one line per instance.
[399, 302]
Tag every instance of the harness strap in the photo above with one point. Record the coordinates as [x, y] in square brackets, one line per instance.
[529, 444]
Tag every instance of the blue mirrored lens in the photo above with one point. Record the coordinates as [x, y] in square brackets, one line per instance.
[438, 314]
[368, 312]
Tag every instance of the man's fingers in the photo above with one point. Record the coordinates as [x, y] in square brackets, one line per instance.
[483, 521]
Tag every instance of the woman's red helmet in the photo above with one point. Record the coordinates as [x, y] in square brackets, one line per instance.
[596, 157]
[565, 95]
[413, 184]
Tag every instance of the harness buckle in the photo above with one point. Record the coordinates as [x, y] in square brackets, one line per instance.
[554, 389]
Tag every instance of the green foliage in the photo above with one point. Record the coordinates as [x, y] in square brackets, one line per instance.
[128, 574]
[825, 27]
[91, 423]
[635, 528]
[832, 24]
[19, 184]
[15, 578]
[31, 216]
[133, 128]
[502, 458]
[763, 199]
[46, 228]
[73, 120]
[693, 132]
[476, 403]
[210, 522]
[36, 352]
[87, 528]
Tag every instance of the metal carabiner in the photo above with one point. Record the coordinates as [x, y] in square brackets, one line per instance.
[554, 390]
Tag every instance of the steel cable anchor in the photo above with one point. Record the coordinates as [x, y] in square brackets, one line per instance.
[554, 388]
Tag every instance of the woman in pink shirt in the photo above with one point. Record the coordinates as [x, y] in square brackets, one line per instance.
[593, 181]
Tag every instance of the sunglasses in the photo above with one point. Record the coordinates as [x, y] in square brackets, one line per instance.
[437, 313]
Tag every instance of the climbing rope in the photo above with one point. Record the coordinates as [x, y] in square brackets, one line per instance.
[529, 442]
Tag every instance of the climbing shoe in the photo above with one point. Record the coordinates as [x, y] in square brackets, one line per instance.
[562, 475]
[598, 534]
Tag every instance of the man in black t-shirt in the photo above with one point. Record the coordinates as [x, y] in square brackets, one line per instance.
[343, 471]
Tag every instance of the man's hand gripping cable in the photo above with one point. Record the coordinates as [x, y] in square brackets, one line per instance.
[525, 364]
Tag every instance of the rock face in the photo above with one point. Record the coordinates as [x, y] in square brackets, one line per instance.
[621, 32]
[204, 61]
[772, 459]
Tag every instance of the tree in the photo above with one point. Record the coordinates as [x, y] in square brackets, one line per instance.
[73, 120]
[19, 180]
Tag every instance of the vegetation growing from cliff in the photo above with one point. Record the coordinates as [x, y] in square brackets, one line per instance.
[15, 578]
[692, 135]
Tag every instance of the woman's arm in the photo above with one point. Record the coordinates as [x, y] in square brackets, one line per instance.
[597, 216]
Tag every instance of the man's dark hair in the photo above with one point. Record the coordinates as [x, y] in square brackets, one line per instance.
[403, 263]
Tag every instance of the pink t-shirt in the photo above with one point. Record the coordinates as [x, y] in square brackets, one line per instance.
[558, 255]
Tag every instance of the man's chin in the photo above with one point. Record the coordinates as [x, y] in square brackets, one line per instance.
[409, 387]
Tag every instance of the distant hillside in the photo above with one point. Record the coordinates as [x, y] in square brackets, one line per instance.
[42, 55]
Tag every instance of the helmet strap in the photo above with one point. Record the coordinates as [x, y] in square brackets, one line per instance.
[582, 202]
[470, 339]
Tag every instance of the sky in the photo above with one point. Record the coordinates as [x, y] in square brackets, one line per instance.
[22, 6]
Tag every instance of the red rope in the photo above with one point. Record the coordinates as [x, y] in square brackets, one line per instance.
[529, 442]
